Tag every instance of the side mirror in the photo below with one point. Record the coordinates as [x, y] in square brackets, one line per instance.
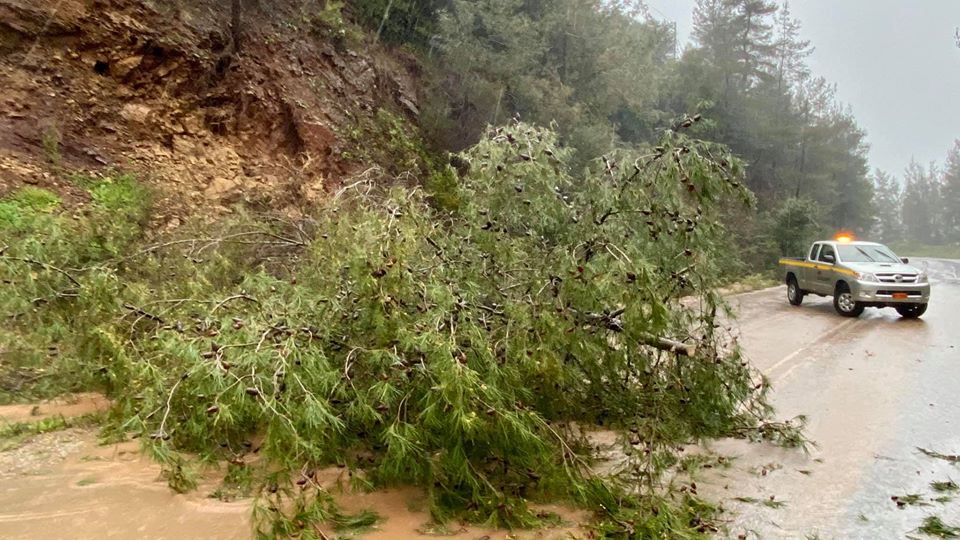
[830, 259]
[905, 260]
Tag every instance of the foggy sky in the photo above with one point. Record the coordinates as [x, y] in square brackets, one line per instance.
[895, 62]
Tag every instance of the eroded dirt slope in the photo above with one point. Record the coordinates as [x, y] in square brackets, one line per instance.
[160, 89]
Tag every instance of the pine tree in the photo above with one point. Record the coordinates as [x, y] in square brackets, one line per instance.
[754, 48]
[921, 204]
[791, 50]
[951, 195]
[887, 202]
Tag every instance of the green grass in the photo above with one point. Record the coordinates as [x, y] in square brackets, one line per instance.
[752, 282]
[946, 251]
[16, 434]
[23, 207]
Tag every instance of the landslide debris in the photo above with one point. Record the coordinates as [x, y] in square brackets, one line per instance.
[159, 89]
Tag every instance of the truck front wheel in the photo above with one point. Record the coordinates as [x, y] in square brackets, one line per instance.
[844, 302]
[794, 293]
[911, 311]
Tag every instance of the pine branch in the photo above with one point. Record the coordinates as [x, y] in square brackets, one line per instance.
[43, 265]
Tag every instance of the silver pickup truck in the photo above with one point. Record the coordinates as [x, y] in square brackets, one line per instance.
[858, 275]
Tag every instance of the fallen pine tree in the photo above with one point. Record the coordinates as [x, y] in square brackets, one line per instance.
[461, 347]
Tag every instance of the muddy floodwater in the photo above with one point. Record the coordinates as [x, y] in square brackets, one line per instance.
[875, 390]
[64, 485]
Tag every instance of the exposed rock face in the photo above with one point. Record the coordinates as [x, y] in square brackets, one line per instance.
[155, 88]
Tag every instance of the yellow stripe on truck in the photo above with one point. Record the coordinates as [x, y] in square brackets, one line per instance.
[805, 264]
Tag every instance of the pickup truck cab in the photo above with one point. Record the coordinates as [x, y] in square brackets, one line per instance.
[858, 275]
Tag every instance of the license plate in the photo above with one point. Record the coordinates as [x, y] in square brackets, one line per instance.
[900, 295]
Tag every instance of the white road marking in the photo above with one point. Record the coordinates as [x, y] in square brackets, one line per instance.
[819, 339]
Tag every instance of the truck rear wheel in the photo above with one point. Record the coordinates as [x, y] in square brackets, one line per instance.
[845, 303]
[911, 311]
[794, 292]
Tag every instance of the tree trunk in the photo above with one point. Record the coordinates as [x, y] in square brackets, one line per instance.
[383, 21]
[236, 21]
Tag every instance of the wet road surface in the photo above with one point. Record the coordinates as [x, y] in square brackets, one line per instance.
[874, 389]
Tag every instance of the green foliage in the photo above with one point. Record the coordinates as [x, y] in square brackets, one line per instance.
[686, 518]
[280, 513]
[795, 226]
[945, 486]
[950, 193]
[921, 196]
[915, 249]
[391, 140]
[925, 209]
[329, 23]
[50, 139]
[47, 306]
[399, 21]
[15, 434]
[934, 526]
[444, 189]
[450, 348]
[887, 200]
[24, 200]
[591, 69]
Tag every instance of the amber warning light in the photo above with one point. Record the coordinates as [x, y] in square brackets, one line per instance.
[844, 237]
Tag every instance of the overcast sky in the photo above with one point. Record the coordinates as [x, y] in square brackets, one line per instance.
[895, 63]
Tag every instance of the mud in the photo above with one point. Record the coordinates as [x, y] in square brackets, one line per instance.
[875, 390]
[68, 406]
[159, 89]
[64, 485]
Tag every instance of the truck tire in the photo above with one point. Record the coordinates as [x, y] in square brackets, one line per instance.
[844, 302]
[794, 292]
[911, 311]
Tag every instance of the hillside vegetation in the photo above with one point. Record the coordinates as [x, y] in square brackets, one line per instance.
[279, 244]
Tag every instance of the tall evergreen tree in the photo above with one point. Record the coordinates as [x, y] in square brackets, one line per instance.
[887, 195]
[754, 50]
[792, 51]
[589, 67]
[950, 207]
[921, 203]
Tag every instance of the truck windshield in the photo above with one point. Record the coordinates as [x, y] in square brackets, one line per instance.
[865, 253]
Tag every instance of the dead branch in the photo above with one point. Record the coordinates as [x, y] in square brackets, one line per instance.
[43, 265]
[234, 297]
[143, 313]
[669, 345]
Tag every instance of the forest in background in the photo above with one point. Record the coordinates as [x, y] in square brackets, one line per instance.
[923, 209]
[609, 76]
[523, 240]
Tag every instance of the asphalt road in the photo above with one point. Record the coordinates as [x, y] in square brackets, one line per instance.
[874, 390]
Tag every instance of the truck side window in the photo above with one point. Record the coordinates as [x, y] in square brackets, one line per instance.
[827, 250]
[813, 252]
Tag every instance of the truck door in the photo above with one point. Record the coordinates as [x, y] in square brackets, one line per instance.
[808, 275]
[824, 270]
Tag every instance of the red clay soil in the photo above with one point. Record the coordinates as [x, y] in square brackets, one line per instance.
[158, 88]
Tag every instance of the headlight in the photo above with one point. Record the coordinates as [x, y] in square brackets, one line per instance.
[923, 278]
[866, 276]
